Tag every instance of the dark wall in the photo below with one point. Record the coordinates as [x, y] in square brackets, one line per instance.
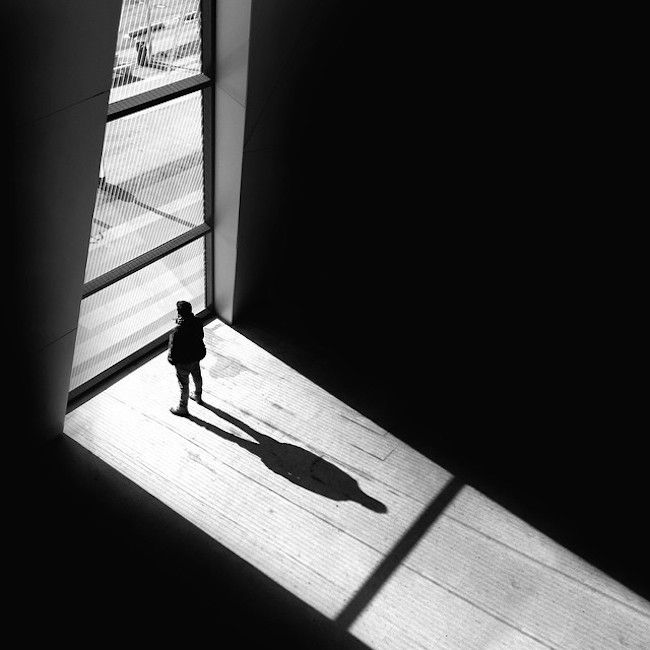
[60, 56]
[415, 196]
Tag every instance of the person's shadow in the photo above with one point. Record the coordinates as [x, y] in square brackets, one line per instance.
[296, 464]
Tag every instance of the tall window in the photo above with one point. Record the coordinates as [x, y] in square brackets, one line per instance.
[150, 240]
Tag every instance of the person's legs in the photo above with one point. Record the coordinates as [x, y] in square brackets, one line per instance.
[183, 376]
[198, 381]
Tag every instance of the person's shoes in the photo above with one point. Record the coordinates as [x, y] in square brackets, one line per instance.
[196, 398]
[179, 410]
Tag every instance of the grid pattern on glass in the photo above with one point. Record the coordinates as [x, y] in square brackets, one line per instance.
[151, 183]
[158, 42]
[124, 317]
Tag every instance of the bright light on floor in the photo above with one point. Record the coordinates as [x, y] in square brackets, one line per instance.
[347, 517]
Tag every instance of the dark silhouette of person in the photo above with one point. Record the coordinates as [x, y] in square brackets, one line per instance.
[185, 350]
[142, 53]
[296, 464]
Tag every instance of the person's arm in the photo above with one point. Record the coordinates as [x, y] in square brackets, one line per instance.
[202, 348]
[170, 348]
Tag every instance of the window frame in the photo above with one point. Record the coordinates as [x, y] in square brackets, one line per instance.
[205, 83]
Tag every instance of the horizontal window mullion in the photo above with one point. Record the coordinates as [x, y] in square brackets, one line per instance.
[143, 260]
[157, 96]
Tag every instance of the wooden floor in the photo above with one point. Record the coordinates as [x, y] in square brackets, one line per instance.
[345, 516]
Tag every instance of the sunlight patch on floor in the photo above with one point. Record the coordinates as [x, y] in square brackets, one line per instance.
[321, 499]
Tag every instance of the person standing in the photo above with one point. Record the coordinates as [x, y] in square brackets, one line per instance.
[185, 350]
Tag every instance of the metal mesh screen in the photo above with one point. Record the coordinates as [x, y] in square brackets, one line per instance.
[158, 42]
[124, 317]
[151, 183]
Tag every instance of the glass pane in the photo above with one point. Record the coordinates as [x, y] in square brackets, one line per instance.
[151, 183]
[127, 315]
[158, 42]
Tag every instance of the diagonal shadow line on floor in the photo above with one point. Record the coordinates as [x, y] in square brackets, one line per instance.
[398, 553]
[118, 192]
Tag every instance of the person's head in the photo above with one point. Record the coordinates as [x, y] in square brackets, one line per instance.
[184, 308]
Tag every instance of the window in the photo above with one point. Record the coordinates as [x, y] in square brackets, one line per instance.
[151, 183]
[150, 237]
[121, 319]
[157, 43]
